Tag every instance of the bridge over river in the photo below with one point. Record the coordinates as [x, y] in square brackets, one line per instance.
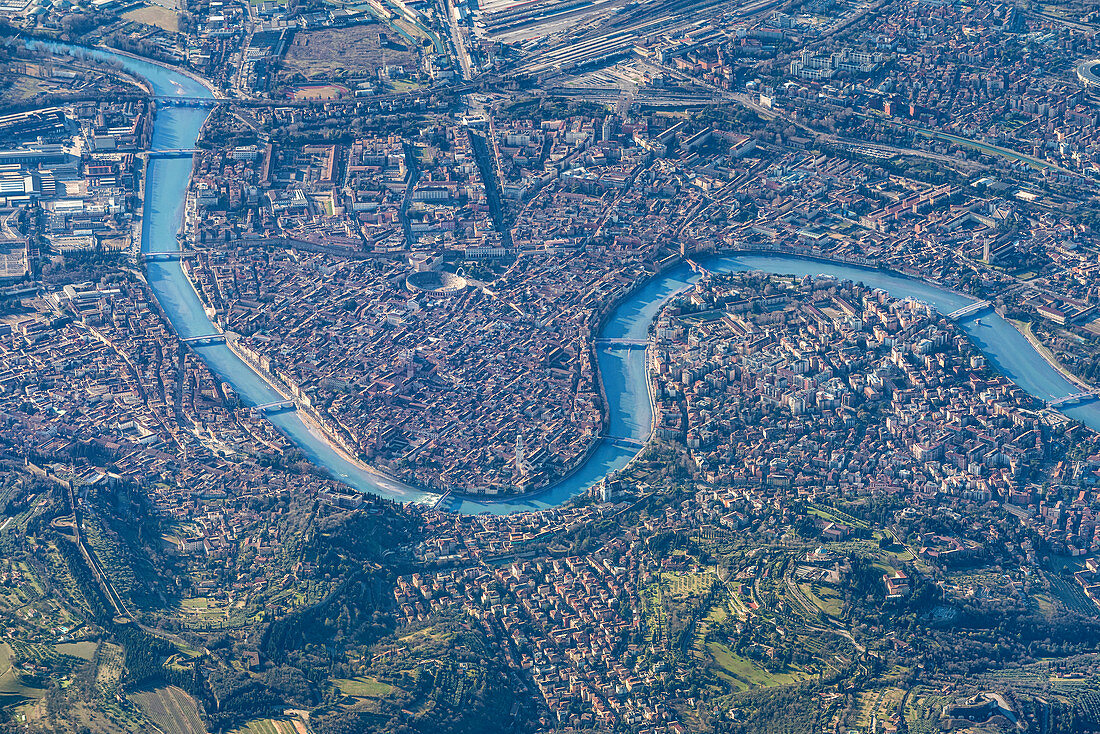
[1074, 399]
[622, 343]
[152, 257]
[273, 406]
[173, 153]
[203, 339]
[965, 311]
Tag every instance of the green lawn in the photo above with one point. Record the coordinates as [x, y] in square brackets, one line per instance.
[717, 614]
[83, 650]
[834, 515]
[745, 673]
[824, 598]
[363, 687]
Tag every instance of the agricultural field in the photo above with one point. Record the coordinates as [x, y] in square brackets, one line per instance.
[274, 726]
[155, 15]
[44, 656]
[687, 585]
[16, 595]
[653, 609]
[171, 709]
[345, 54]
[875, 704]
[12, 688]
[923, 709]
[84, 650]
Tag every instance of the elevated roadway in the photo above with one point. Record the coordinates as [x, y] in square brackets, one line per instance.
[273, 406]
[622, 343]
[965, 311]
[203, 339]
[167, 256]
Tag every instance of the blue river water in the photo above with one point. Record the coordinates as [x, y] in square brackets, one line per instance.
[622, 370]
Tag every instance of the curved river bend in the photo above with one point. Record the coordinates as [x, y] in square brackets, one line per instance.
[623, 370]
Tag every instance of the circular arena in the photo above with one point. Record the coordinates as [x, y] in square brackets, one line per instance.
[435, 284]
[1087, 73]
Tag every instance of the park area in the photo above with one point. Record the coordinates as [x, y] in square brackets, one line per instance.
[344, 54]
[318, 93]
[742, 673]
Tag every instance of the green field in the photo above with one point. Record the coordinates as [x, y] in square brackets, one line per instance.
[84, 650]
[745, 673]
[824, 598]
[155, 15]
[687, 585]
[653, 608]
[834, 515]
[363, 687]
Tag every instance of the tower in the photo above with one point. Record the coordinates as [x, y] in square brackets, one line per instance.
[521, 456]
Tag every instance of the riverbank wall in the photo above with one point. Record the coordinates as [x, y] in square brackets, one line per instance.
[214, 91]
[293, 392]
[1047, 355]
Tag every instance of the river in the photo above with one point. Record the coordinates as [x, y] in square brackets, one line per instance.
[623, 370]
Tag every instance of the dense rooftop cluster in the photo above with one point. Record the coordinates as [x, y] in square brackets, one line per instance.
[825, 384]
[388, 367]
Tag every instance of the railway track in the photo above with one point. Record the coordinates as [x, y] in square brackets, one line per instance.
[620, 32]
